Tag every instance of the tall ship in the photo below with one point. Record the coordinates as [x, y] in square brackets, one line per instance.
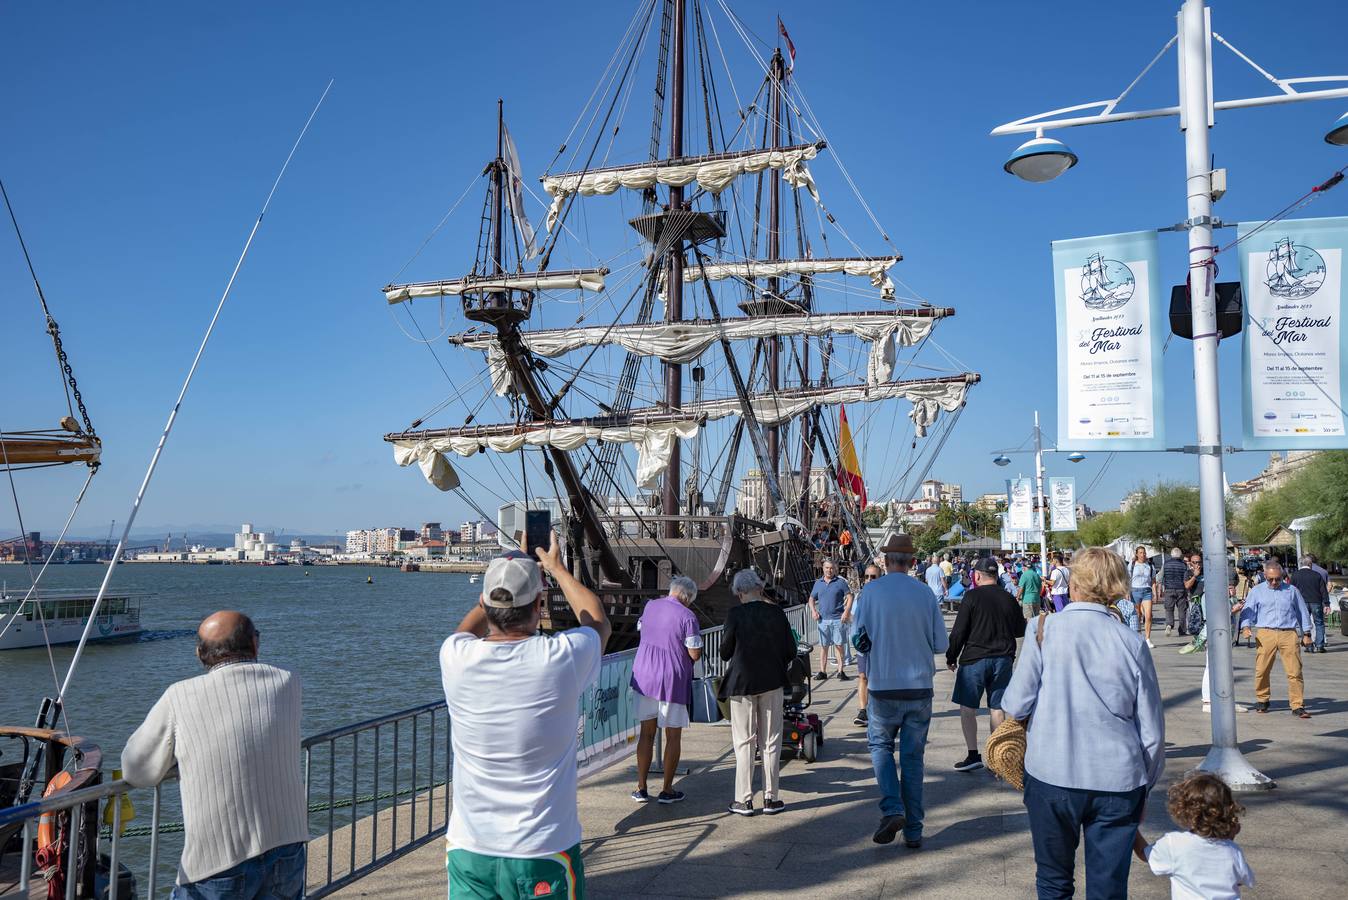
[663, 366]
[33, 616]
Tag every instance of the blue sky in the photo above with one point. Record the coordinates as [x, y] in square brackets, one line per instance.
[141, 139]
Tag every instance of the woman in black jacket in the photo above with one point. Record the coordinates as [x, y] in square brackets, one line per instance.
[758, 645]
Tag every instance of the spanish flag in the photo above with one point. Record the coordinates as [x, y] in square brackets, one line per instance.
[849, 470]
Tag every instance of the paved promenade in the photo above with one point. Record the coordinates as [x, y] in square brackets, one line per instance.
[977, 841]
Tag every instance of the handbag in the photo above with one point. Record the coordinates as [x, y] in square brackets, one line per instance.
[1004, 754]
[706, 708]
[1196, 617]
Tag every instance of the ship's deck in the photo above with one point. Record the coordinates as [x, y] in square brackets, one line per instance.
[977, 834]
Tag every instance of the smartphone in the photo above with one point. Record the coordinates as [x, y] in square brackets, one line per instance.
[538, 530]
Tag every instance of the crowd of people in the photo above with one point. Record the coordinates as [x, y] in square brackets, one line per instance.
[1068, 650]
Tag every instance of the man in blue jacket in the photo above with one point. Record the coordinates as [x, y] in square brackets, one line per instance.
[901, 620]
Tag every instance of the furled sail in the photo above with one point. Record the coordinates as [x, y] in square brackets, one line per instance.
[654, 429]
[569, 280]
[682, 342]
[877, 270]
[713, 172]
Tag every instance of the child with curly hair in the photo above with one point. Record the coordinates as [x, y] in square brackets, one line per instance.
[1203, 862]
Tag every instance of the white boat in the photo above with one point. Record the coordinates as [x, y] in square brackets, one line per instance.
[58, 617]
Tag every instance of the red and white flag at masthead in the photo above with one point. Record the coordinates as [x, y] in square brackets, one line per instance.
[790, 47]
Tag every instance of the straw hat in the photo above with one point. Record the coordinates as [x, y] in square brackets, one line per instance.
[1004, 754]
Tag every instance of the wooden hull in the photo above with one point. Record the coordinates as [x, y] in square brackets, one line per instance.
[710, 550]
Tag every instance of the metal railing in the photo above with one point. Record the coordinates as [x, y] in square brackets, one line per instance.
[711, 663]
[382, 779]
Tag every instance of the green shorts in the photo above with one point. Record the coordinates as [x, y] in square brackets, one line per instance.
[476, 875]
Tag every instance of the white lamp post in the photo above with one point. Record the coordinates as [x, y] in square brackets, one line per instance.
[1002, 459]
[1196, 112]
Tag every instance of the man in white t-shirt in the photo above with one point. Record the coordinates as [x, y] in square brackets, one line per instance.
[514, 702]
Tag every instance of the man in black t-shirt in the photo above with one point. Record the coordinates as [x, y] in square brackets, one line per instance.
[982, 649]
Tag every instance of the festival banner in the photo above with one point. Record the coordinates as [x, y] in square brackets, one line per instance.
[1111, 325]
[1019, 504]
[1062, 503]
[1292, 276]
[607, 727]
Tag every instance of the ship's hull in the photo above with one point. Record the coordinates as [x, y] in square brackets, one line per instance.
[710, 550]
[62, 617]
[67, 631]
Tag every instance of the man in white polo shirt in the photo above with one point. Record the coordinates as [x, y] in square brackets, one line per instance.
[514, 700]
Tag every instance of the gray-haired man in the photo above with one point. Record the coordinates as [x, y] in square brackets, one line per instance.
[662, 677]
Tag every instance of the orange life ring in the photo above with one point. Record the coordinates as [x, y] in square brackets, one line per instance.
[46, 823]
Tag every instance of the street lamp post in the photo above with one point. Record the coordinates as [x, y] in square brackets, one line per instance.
[1196, 112]
[1041, 499]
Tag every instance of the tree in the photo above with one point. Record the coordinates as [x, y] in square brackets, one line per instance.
[1166, 515]
[1102, 528]
[874, 515]
[1324, 483]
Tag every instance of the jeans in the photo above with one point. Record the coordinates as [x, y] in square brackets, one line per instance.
[1318, 623]
[277, 874]
[1059, 816]
[909, 721]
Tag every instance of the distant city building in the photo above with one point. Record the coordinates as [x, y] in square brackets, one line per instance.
[1279, 470]
[921, 510]
[476, 531]
[431, 531]
[752, 499]
[990, 502]
[357, 542]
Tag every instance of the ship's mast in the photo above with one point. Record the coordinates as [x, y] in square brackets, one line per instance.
[673, 483]
[500, 311]
[778, 72]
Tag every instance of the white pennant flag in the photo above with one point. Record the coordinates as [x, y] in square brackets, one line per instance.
[516, 195]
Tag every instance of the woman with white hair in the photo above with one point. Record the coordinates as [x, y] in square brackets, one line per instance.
[1096, 742]
[662, 679]
[758, 645]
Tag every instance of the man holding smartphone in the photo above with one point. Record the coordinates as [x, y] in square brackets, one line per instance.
[514, 821]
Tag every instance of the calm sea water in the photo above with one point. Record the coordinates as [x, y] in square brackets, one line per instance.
[361, 649]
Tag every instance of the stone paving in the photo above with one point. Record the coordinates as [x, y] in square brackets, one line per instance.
[977, 841]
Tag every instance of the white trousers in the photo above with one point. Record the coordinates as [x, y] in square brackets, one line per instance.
[756, 724]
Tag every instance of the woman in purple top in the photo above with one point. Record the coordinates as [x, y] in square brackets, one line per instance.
[662, 678]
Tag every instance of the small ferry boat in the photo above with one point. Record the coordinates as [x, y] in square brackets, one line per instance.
[58, 617]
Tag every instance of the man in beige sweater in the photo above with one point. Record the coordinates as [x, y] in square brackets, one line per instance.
[234, 736]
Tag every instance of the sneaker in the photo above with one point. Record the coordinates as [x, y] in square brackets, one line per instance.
[969, 763]
[889, 827]
[742, 809]
[822, 676]
[861, 718]
[1150, 644]
[670, 796]
[1300, 713]
[1261, 707]
[842, 676]
[1207, 707]
[1188, 648]
[772, 807]
[640, 796]
[913, 843]
[1169, 630]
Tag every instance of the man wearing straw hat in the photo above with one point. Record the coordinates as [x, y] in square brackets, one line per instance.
[901, 628]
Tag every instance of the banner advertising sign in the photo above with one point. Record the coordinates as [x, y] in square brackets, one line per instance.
[1111, 326]
[1014, 540]
[1062, 503]
[608, 726]
[1292, 275]
[1019, 504]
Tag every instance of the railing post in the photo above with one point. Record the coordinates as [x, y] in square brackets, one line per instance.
[154, 843]
[449, 763]
[430, 772]
[374, 817]
[113, 884]
[73, 832]
[332, 787]
[26, 859]
[355, 780]
[412, 819]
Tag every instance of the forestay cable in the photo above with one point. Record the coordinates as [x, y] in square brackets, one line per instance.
[177, 405]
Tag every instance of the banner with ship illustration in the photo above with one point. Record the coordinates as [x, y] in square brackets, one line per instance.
[1062, 503]
[1111, 326]
[1292, 276]
[1019, 504]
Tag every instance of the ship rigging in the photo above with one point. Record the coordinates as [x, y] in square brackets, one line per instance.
[726, 284]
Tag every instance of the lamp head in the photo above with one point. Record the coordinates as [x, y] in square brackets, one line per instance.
[1076, 456]
[1040, 159]
[1002, 459]
[1339, 133]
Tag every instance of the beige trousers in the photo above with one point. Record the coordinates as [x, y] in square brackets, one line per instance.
[1281, 643]
[756, 724]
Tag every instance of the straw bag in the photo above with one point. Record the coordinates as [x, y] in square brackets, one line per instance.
[1004, 754]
